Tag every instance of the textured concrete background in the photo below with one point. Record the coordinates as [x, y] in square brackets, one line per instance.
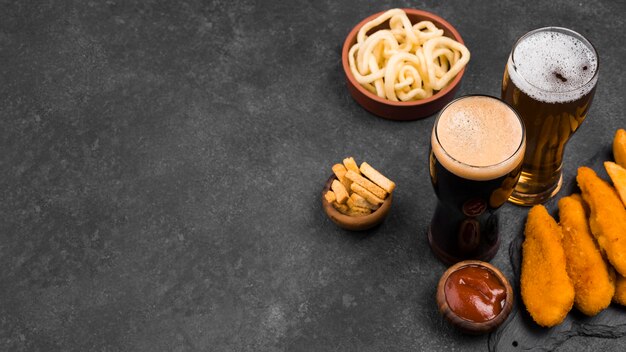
[161, 167]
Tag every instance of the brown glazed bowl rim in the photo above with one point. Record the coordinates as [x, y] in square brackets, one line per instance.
[469, 326]
[351, 39]
[354, 223]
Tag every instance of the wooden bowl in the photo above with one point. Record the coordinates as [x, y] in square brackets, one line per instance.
[354, 223]
[468, 326]
[398, 110]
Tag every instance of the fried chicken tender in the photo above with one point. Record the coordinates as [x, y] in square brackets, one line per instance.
[619, 147]
[618, 176]
[608, 217]
[620, 290]
[547, 290]
[591, 275]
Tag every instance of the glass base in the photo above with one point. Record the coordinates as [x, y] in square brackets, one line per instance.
[522, 196]
[450, 259]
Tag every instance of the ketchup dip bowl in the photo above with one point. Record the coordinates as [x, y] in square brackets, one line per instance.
[354, 223]
[399, 110]
[469, 281]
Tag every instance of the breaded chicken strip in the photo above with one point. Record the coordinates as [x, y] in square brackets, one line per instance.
[547, 291]
[620, 290]
[607, 219]
[618, 176]
[619, 147]
[589, 272]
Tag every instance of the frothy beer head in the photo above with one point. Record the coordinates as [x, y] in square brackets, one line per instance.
[478, 138]
[553, 66]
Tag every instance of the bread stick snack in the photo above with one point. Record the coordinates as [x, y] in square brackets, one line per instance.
[340, 172]
[592, 277]
[358, 201]
[356, 194]
[608, 217]
[618, 176]
[377, 177]
[358, 211]
[330, 196]
[342, 208]
[340, 192]
[367, 184]
[369, 196]
[350, 164]
[547, 290]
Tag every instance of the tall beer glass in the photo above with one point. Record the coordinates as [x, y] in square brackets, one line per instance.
[550, 79]
[477, 147]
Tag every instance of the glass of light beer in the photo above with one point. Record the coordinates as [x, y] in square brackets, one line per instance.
[476, 153]
[550, 79]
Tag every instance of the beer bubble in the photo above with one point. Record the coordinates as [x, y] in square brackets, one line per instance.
[478, 137]
[553, 67]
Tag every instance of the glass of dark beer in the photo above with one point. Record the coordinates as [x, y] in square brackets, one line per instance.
[477, 148]
[550, 79]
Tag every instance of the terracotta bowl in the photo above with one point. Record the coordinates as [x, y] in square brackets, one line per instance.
[355, 223]
[401, 111]
[468, 326]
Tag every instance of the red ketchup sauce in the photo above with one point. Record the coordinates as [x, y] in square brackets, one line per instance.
[475, 293]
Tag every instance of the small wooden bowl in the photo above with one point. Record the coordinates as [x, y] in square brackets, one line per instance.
[468, 326]
[399, 110]
[354, 223]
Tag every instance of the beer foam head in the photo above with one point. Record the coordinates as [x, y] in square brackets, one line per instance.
[478, 138]
[553, 65]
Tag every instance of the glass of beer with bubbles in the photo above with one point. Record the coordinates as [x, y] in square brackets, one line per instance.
[476, 152]
[550, 79]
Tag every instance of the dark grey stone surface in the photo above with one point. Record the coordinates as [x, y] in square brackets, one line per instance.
[161, 166]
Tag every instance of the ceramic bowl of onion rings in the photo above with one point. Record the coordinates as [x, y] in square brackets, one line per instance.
[404, 64]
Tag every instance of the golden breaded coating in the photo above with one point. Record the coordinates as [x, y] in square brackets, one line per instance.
[589, 272]
[619, 147]
[618, 176]
[620, 290]
[547, 291]
[607, 219]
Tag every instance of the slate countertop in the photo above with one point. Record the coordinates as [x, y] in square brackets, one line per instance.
[161, 166]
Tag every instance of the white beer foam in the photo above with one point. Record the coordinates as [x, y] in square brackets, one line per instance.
[553, 67]
[478, 138]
